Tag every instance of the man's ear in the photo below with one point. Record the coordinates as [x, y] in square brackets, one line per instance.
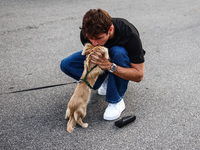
[111, 29]
[86, 50]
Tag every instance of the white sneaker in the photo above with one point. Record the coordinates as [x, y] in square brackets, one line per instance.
[103, 88]
[113, 111]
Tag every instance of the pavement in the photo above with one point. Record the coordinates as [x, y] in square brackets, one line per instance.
[36, 35]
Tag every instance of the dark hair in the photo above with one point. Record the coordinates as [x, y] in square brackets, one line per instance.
[95, 22]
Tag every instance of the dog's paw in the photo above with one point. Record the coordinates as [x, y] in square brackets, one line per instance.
[70, 129]
[85, 125]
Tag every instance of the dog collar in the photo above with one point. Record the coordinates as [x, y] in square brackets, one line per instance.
[84, 79]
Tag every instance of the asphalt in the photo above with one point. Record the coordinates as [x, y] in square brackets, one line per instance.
[36, 35]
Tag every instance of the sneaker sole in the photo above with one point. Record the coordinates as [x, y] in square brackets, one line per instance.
[101, 93]
[113, 118]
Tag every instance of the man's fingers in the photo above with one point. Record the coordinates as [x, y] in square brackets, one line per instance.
[98, 54]
[95, 57]
[98, 59]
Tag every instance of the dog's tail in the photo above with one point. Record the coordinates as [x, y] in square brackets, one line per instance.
[71, 124]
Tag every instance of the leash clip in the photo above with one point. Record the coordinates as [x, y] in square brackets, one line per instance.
[79, 81]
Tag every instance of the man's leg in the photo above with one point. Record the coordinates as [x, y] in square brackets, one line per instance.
[73, 65]
[117, 86]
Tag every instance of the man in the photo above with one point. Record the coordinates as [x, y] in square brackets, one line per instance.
[126, 53]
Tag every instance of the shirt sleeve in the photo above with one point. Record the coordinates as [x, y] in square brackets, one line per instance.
[135, 50]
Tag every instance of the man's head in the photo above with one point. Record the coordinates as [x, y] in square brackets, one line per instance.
[96, 26]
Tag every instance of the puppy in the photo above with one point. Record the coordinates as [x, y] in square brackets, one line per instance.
[77, 105]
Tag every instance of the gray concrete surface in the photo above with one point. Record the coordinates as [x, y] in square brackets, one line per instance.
[36, 35]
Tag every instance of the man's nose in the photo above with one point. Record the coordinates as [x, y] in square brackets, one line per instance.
[94, 43]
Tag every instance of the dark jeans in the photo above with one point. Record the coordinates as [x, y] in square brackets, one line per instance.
[73, 66]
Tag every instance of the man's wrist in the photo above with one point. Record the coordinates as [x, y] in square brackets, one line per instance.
[113, 68]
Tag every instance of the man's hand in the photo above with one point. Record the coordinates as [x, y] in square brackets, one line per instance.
[99, 59]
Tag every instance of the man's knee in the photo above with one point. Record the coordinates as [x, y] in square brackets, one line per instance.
[64, 65]
[119, 55]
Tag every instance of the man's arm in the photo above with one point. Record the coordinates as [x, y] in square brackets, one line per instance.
[134, 73]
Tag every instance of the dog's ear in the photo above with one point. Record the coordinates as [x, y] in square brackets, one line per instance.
[105, 51]
[86, 50]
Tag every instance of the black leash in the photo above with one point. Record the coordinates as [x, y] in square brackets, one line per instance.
[50, 86]
[39, 88]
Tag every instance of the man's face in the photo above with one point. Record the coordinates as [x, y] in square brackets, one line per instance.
[101, 39]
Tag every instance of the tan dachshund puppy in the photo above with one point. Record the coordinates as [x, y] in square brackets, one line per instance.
[77, 105]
